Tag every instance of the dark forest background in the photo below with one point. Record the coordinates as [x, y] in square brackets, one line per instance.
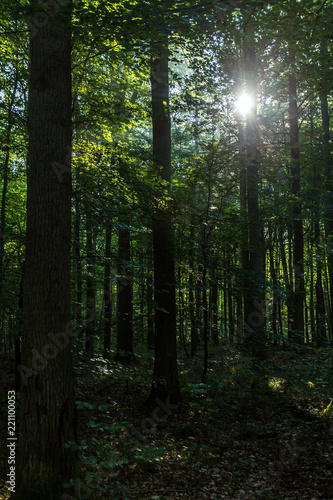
[166, 235]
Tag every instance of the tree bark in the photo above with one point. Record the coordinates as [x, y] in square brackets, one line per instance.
[328, 163]
[296, 334]
[231, 320]
[194, 329]
[47, 397]
[77, 256]
[214, 309]
[107, 293]
[91, 320]
[255, 321]
[275, 298]
[125, 348]
[150, 305]
[245, 228]
[165, 376]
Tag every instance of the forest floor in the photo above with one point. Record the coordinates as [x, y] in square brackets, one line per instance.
[254, 431]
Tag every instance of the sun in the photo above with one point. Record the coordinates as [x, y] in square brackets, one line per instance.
[244, 104]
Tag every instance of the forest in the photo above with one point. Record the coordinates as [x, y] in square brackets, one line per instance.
[166, 249]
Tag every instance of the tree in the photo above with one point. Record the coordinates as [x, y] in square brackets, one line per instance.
[125, 350]
[255, 322]
[91, 320]
[47, 417]
[107, 292]
[297, 331]
[327, 158]
[165, 376]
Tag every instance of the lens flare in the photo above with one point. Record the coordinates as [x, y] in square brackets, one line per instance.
[244, 104]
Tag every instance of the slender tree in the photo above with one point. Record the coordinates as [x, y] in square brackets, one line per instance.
[6, 171]
[77, 254]
[125, 350]
[193, 319]
[107, 292]
[150, 303]
[91, 319]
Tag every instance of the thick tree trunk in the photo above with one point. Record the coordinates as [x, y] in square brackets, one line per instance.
[296, 334]
[47, 397]
[166, 382]
[244, 230]
[125, 348]
[255, 321]
[107, 293]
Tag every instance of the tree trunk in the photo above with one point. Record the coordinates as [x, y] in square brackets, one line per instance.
[142, 297]
[198, 303]
[328, 162]
[165, 376]
[205, 318]
[286, 275]
[77, 256]
[47, 397]
[150, 304]
[320, 304]
[194, 330]
[255, 322]
[180, 307]
[214, 309]
[91, 320]
[274, 285]
[296, 335]
[244, 231]
[107, 293]
[125, 349]
[311, 291]
[231, 321]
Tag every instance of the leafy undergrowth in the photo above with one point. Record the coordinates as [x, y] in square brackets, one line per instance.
[255, 430]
